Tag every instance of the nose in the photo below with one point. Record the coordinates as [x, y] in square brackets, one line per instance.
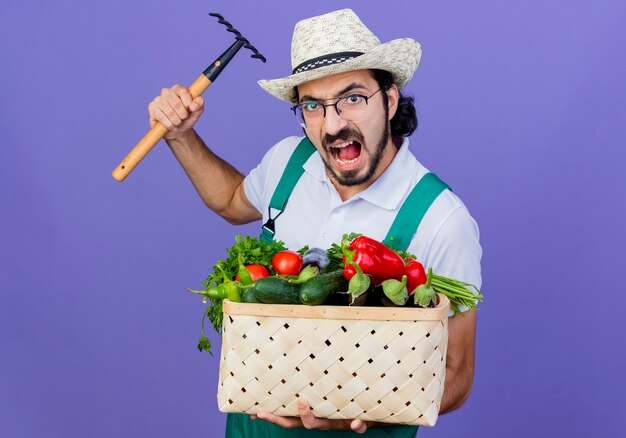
[333, 123]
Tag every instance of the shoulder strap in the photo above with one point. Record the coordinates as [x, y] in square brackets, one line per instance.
[292, 173]
[412, 212]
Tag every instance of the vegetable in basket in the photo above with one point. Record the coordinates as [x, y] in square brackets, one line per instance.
[415, 273]
[255, 271]
[227, 289]
[381, 264]
[369, 265]
[287, 262]
[319, 289]
[376, 260]
[248, 251]
[276, 290]
[359, 283]
[396, 290]
[316, 257]
[424, 295]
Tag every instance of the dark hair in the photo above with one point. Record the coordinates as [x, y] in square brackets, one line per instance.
[404, 122]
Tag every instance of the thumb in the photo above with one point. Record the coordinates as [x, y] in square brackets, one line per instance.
[358, 426]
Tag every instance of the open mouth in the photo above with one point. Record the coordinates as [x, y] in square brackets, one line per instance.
[346, 153]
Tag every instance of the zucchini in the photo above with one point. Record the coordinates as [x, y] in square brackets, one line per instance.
[248, 296]
[316, 290]
[274, 290]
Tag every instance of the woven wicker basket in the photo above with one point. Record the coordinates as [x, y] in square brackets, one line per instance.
[374, 363]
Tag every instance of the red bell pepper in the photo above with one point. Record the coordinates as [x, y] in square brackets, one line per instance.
[415, 273]
[375, 260]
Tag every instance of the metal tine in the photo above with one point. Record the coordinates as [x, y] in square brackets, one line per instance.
[259, 56]
[238, 37]
[249, 46]
[221, 20]
[256, 52]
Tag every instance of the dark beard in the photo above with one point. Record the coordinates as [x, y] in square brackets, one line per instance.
[351, 177]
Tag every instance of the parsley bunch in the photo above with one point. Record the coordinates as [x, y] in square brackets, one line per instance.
[252, 250]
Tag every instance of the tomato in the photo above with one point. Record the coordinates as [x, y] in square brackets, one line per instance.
[256, 272]
[287, 263]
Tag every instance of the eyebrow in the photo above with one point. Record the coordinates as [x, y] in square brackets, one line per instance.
[352, 86]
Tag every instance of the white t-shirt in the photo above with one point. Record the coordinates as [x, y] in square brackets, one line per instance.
[447, 239]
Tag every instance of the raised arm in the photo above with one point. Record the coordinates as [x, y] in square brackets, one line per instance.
[218, 183]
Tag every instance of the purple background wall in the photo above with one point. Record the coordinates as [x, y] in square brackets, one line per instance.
[521, 108]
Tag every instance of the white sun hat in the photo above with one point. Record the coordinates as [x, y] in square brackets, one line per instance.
[338, 42]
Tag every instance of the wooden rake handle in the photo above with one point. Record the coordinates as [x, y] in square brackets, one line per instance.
[153, 136]
[157, 132]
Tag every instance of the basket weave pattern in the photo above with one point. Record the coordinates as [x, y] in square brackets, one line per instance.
[374, 369]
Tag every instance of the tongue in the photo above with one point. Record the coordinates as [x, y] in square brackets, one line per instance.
[349, 152]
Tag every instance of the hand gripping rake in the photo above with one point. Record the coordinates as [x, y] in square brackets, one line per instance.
[199, 86]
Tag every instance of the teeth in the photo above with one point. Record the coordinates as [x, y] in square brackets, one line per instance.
[347, 161]
[342, 145]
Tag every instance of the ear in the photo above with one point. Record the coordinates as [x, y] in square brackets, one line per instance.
[392, 102]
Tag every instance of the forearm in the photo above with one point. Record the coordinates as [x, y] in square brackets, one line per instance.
[459, 361]
[218, 183]
[456, 390]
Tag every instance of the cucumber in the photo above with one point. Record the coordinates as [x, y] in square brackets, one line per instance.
[316, 290]
[248, 296]
[274, 290]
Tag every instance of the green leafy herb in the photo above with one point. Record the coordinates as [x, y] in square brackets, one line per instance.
[252, 251]
[403, 254]
[204, 344]
[335, 253]
[457, 291]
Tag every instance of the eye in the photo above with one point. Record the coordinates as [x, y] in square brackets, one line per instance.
[354, 99]
[310, 106]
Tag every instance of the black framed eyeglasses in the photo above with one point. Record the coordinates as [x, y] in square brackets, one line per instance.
[351, 108]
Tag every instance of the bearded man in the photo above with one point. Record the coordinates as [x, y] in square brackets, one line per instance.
[351, 172]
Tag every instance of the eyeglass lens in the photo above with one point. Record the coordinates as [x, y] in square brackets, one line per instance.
[350, 108]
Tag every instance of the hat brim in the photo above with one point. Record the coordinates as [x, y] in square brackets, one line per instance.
[399, 57]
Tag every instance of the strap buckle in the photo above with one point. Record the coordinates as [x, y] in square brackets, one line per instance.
[269, 228]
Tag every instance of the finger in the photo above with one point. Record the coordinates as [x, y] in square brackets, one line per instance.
[286, 422]
[184, 94]
[160, 116]
[197, 104]
[152, 112]
[358, 426]
[309, 420]
[306, 414]
[176, 105]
